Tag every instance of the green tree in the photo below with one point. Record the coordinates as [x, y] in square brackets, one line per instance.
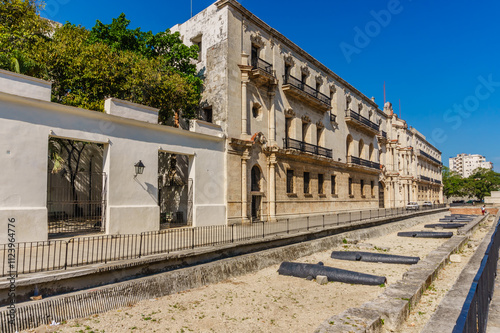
[453, 184]
[482, 182]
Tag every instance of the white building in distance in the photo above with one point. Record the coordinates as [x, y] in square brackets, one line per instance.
[465, 164]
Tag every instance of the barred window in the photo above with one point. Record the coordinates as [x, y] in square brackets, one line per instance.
[362, 187]
[350, 187]
[321, 182]
[306, 182]
[333, 185]
[289, 181]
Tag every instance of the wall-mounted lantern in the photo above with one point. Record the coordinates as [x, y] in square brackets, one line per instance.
[139, 168]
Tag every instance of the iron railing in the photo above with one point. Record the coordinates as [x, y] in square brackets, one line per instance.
[293, 81]
[427, 179]
[32, 257]
[360, 119]
[435, 160]
[307, 147]
[258, 63]
[363, 162]
[384, 134]
[474, 315]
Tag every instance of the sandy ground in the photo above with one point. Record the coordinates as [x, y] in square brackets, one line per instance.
[267, 302]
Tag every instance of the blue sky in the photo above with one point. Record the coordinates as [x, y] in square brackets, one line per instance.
[439, 58]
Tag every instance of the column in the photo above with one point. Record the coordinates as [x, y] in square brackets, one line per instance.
[244, 158]
[272, 117]
[272, 187]
[245, 72]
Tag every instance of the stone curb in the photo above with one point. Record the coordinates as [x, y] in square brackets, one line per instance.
[105, 298]
[391, 309]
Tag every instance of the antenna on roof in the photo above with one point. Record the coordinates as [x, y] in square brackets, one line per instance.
[191, 8]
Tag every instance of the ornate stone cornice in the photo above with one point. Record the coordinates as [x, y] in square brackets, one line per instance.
[257, 39]
[306, 119]
[319, 124]
[305, 70]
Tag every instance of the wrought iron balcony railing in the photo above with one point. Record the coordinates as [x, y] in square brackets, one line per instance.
[293, 81]
[363, 162]
[307, 147]
[384, 134]
[258, 63]
[359, 118]
[435, 160]
[427, 179]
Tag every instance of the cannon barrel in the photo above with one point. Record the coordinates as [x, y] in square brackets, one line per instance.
[374, 257]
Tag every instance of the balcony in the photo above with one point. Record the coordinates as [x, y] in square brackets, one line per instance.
[432, 159]
[382, 136]
[262, 71]
[296, 88]
[362, 123]
[306, 147]
[424, 178]
[360, 161]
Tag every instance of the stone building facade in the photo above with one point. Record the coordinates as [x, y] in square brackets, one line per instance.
[300, 139]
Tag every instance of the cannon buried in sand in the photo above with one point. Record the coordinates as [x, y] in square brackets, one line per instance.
[425, 234]
[374, 257]
[445, 225]
[333, 274]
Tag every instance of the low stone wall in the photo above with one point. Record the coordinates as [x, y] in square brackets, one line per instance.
[473, 210]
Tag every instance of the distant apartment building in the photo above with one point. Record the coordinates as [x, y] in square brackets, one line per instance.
[465, 164]
[300, 139]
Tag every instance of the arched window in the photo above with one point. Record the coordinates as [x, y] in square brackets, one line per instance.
[256, 178]
[361, 146]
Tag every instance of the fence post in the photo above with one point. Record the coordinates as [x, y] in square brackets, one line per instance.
[232, 233]
[140, 245]
[288, 226]
[338, 219]
[308, 223]
[192, 238]
[323, 221]
[263, 231]
[66, 256]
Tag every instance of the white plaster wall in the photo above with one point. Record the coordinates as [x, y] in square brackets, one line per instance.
[132, 205]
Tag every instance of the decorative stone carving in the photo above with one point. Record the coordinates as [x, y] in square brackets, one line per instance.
[289, 113]
[319, 79]
[306, 119]
[259, 138]
[360, 107]
[319, 124]
[333, 88]
[289, 59]
[305, 70]
[348, 99]
[257, 39]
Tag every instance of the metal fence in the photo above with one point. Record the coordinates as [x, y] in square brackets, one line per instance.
[32, 257]
[474, 315]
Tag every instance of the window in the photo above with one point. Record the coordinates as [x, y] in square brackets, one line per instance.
[256, 178]
[362, 182]
[207, 114]
[321, 182]
[289, 181]
[304, 131]
[350, 188]
[198, 42]
[372, 187]
[318, 86]
[319, 133]
[333, 185]
[287, 71]
[255, 55]
[288, 126]
[199, 49]
[303, 79]
[255, 110]
[306, 182]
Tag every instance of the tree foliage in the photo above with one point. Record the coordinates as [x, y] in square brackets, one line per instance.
[478, 185]
[110, 60]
